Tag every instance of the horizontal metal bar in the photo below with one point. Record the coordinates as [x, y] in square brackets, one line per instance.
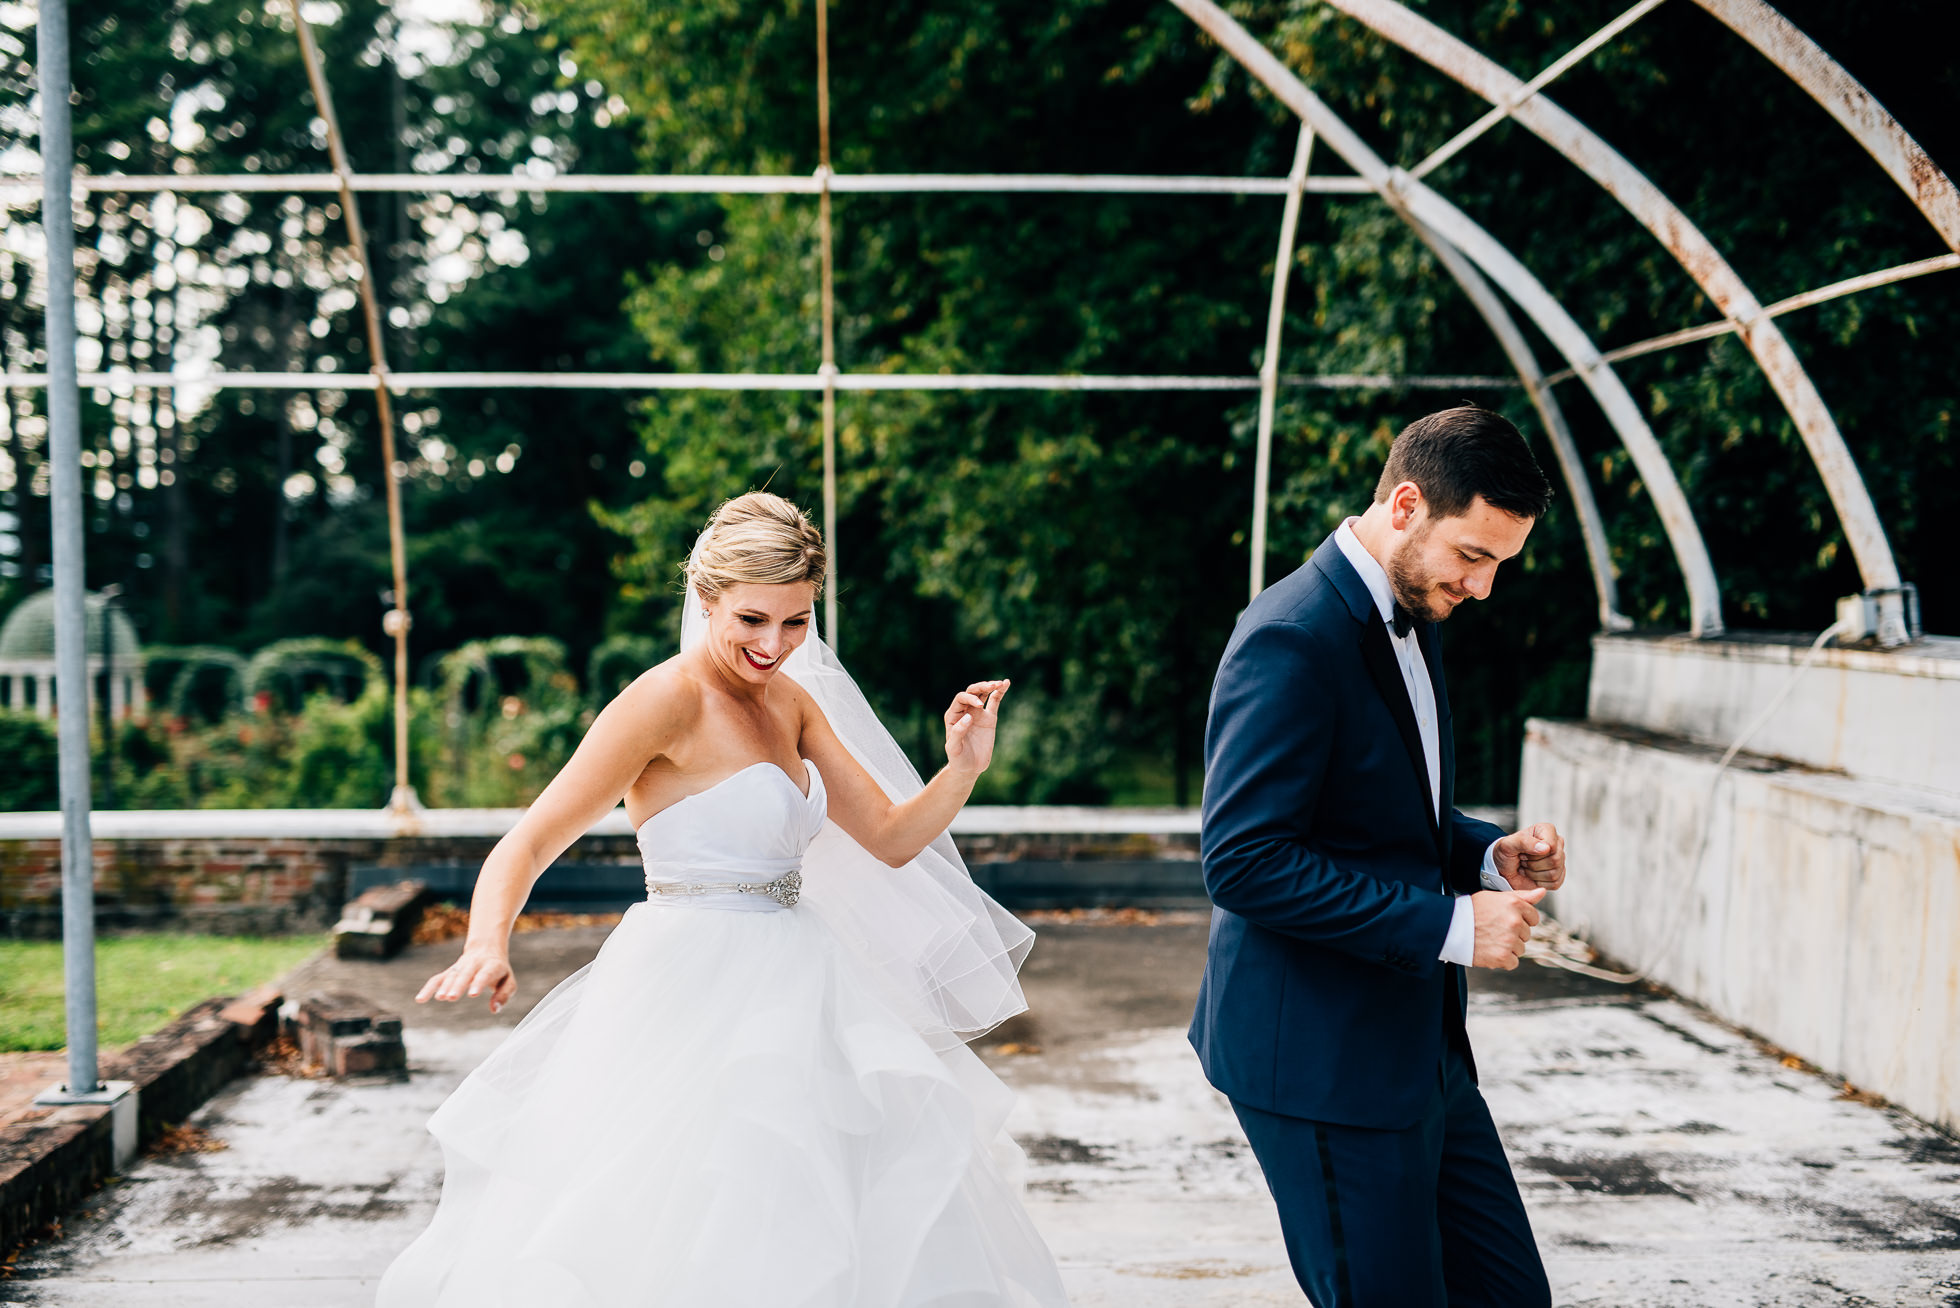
[753, 381]
[1804, 300]
[706, 184]
[1864, 282]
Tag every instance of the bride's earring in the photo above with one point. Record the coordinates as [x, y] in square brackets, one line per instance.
[704, 613]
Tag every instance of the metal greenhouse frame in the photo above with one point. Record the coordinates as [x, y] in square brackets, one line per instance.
[1488, 272]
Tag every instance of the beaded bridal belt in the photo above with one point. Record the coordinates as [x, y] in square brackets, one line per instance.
[784, 890]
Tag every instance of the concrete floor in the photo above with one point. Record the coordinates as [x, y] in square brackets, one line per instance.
[1667, 1161]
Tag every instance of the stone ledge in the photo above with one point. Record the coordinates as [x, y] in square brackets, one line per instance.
[1818, 909]
[51, 1158]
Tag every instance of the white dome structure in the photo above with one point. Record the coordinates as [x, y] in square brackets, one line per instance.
[27, 657]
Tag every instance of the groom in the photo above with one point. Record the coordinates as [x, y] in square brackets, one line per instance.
[1350, 896]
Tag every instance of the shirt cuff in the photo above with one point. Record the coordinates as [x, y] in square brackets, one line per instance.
[1460, 945]
[1488, 873]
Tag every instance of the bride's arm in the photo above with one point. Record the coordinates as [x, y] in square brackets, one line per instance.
[628, 734]
[895, 833]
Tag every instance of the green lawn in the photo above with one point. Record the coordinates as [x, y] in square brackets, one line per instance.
[141, 982]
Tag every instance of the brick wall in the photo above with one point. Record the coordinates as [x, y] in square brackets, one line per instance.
[231, 885]
[249, 886]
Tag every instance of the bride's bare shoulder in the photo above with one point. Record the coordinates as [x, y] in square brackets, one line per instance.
[656, 705]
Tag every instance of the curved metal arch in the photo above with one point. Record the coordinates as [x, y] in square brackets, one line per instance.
[1784, 44]
[1417, 204]
[1592, 529]
[1696, 254]
[1491, 306]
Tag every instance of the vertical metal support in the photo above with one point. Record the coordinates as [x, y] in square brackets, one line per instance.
[396, 621]
[829, 312]
[1262, 467]
[70, 595]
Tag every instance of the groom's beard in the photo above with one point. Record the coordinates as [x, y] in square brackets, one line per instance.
[1416, 590]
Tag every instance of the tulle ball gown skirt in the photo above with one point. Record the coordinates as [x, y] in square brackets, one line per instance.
[720, 1112]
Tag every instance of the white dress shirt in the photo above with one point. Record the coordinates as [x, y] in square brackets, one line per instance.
[1459, 946]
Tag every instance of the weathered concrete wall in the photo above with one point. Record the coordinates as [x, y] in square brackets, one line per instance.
[1817, 909]
[1869, 713]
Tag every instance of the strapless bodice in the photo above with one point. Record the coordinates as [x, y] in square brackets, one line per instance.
[751, 827]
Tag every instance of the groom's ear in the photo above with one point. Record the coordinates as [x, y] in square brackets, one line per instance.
[1404, 502]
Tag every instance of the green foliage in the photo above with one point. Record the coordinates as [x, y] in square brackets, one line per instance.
[1090, 546]
[208, 680]
[253, 517]
[141, 982]
[295, 669]
[512, 715]
[27, 763]
[616, 661]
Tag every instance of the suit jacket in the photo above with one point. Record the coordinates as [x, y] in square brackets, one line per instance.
[1324, 996]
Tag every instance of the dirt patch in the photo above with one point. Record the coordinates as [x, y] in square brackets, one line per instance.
[24, 1075]
[1059, 1149]
[1605, 1174]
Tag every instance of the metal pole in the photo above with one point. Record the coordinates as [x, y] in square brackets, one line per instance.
[1262, 473]
[694, 184]
[828, 370]
[402, 382]
[70, 595]
[396, 621]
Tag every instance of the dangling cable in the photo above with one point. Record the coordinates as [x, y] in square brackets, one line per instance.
[1558, 947]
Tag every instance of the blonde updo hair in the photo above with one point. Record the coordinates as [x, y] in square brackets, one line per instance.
[758, 538]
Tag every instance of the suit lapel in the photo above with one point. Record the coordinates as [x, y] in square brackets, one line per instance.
[1430, 638]
[1379, 656]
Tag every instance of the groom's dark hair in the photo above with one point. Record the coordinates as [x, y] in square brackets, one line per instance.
[1458, 454]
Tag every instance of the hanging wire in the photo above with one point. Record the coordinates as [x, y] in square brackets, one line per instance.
[1559, 947]
[396, 621]
[828, 369]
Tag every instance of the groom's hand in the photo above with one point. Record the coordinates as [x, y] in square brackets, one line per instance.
[1532, 859]
[1504, 920]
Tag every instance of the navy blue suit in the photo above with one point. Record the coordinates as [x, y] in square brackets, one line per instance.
[1326, 1015]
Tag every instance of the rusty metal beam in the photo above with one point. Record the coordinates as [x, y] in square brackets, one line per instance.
[1784, 45]
[1554, 70]
[396, 621]
[1417, 203]
[1696, 254]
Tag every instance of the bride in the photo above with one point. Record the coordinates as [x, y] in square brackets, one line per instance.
[758, 1095]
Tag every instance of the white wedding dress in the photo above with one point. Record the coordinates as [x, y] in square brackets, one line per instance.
[733, 1105]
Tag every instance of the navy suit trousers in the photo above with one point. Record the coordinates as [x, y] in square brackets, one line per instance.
[1427, 1217]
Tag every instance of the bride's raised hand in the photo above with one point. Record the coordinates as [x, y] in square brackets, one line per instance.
[971, 723]
[477, 970]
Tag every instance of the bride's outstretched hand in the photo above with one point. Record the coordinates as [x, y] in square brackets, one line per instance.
[476, 971]
[970, 726]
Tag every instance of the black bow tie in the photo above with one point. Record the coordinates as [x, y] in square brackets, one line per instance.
[1403, 621]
